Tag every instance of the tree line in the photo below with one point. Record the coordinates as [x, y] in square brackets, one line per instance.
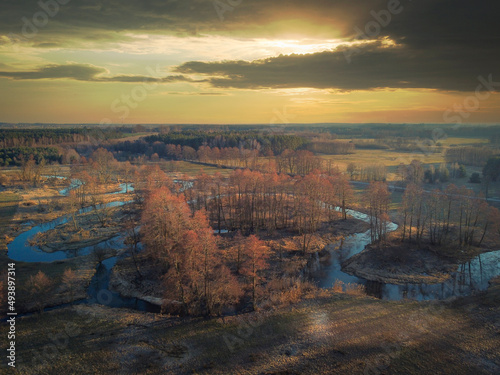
[468, 155]
[54, 136]
[277, 143]
[19, 155]
[453, 216]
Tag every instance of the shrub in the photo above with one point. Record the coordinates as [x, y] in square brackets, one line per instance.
[475, 178]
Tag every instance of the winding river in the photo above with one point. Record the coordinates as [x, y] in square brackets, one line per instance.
[98, 290]
[469, 278]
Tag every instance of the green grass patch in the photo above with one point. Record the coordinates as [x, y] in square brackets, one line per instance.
[192, 169]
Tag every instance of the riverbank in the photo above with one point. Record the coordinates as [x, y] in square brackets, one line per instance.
[43, 204]
[395, 262]
[35, 207]
[140, 278]
[83, 230]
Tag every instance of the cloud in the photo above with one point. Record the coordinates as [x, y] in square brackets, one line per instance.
[87, 72]
[140, 78]
[80, 72]
[198, 93]
[442, 44]
[373, 66]
[47, 45]
[102, 19]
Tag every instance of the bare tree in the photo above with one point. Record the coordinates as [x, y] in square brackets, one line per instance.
[377, 199]
[39, 287]
[70, 281]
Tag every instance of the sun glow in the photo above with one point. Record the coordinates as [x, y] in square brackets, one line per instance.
[216, 48]
[300, 47]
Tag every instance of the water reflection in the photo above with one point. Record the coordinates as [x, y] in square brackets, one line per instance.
[98, 291]
[20, 249]
[469, 277]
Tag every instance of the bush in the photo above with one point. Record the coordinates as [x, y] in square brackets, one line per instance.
[461, 171]
[352, 289]
[475, 178]
[355, 289]
[5, 180]
[39, 287]
[284, 291]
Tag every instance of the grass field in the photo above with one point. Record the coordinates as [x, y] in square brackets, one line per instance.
[385, 157]
[192, 169]
[338, 334]
[131, 137]
[463, 141]
[8, 207]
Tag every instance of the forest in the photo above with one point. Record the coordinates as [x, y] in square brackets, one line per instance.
[18, 155]
[54, 136]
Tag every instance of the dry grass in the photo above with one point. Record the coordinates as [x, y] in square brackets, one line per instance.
[335, 335]
[385, 157]
[285, 291]
[8, 206]
[464, 141]
[180, 169]
[351, 289]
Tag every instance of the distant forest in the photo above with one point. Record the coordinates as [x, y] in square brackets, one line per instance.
[47, 137]
[222, 144]
[17, 155]
[243, 139]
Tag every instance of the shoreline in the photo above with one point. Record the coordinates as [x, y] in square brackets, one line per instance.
[422, 265]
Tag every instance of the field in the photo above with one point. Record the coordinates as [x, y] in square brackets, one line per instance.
[8, 207]
[336, 334]
[390, 159]
[192, 169]
[448, 142]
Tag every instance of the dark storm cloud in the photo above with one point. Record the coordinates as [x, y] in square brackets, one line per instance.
[101, 19]
[443, 44]
[372, 66]
[440, 20]
[87, 72]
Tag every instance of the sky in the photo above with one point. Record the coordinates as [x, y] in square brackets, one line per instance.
[249, 61]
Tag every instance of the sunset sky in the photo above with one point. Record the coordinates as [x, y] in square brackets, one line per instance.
[249, 61]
